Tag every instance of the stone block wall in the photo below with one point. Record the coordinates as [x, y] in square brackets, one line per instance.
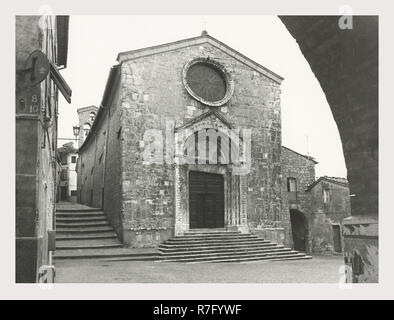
[325, 215]
[298, 166]
[36, 143]
[295, 165]
[99, 176]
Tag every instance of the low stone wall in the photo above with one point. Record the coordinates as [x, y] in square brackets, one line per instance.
[146, 238]
[276, 235]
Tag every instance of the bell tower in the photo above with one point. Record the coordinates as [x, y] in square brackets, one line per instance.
[86, 116]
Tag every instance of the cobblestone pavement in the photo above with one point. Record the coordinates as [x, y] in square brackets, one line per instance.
[320, 269]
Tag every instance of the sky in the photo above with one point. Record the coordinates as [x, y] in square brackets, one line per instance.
[308, 126]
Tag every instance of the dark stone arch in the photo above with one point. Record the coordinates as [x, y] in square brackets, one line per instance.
[300, 230]
[345, 62]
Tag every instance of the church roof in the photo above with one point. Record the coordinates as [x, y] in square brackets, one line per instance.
[204, 38]
[302, 155]
[92, 107]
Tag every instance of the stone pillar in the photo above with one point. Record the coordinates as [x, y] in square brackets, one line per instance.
[181, 217]
[243, 218]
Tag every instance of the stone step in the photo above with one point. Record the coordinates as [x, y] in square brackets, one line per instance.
[103, 253]
[284, 257]
[225, 253]
[237, 258]
[80, 219]
[81, 224]
[87, 242]
[92, 235]
[218, 249]
[213, 242]
[77, 209]
[218, 238]
[86, 229]
[299, 256]
[171, 248]
[93, 246]
[80, 214]
[209, 230]
[204, 234]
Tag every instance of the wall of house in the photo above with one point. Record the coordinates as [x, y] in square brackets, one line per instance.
[72, 177]
[36, 139]
[302, 169]
[153, 92]
[325, 215]
[99, 177]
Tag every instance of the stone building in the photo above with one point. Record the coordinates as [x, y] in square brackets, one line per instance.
[330, 201]
[317, 207]
[298, 174]
[188, 136]
[67, 187]
[41, 50]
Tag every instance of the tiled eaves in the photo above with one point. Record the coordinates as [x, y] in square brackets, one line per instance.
[135, 54]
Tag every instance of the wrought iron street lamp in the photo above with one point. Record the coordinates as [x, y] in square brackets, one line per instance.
[76, 130]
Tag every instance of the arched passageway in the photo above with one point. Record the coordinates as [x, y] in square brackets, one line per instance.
[344, 59]
[300, 230]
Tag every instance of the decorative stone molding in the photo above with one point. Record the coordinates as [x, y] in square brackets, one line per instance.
[235, 196]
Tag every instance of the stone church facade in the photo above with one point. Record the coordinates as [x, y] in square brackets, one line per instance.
[188, 136]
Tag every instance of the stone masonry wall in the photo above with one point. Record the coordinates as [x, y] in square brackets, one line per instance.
[325, 215]
[153, 93]
[36, 143]
[99, 166]
[297, 166]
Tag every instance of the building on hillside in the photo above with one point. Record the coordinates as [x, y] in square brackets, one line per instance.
[67, 187]
[317, 207]
[188, 136]
[41, 50]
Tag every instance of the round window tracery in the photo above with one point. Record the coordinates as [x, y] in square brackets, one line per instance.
[208, 82]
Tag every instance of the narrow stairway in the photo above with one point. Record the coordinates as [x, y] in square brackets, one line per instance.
[83, 232]
[224, 246]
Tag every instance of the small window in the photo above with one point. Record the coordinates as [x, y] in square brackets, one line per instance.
[73, 192]
[92, 116]
[101, 158]
[91, 172]
[73, 159]
[326, 196]
[291, 185]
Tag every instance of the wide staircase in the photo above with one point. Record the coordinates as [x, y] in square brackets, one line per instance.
[83, 232]
[220, 245]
